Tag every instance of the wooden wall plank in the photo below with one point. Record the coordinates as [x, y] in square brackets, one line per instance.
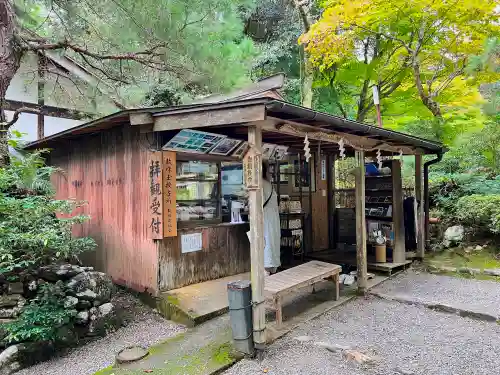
[225, 252]
[109, 170]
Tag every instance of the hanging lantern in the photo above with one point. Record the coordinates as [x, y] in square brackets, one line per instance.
[307, 150]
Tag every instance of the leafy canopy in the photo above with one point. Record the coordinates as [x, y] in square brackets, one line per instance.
[412, 50]
[186, 46]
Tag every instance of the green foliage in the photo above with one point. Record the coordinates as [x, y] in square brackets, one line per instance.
[198, 46]
[479, 211]
[43, 317]
[471, 199]
[31, 234]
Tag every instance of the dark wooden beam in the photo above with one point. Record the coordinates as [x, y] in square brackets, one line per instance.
[47, 110]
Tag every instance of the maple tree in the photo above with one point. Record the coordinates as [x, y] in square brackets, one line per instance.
[421, 47]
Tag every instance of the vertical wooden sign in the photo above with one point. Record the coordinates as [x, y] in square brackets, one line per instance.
[155, 207]
[169, 193]
[252, 169]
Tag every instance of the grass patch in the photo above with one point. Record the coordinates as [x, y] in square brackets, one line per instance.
[459, 258]
[484, 259]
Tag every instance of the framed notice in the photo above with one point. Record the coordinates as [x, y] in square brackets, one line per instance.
[225, 147]
[169, 193]
[155, 206]
[191, 242]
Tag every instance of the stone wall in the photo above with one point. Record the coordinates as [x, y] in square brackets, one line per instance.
[87, 294]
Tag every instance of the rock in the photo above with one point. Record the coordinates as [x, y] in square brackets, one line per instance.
[131, 354]
[10, 300]
[334, 348]
[359, 357]
[33, 285]
[87, 295]
[82, 317]
[453, 235]
[470, 271]
[97, 282]
[103, 319]
[478, 248]
[70, 302]
[106, 309]
[15, 288]
[349, 280]
[492, 272]
[10, 313]
[7, 358]
[57, 272]
[83, 305]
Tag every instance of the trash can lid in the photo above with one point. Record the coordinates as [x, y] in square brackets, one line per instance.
[239, 284]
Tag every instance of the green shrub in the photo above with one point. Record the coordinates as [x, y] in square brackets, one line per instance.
[31, 234]
[480, 212]
[43, 318]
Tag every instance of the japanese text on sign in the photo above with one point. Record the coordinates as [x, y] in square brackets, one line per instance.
[252, 166]
[169, 193]
[155, 213]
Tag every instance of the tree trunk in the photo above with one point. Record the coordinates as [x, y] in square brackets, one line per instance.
[426, 97]
[307, 90]
[10, 60]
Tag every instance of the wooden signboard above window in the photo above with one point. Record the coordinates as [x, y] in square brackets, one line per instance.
[162, 215]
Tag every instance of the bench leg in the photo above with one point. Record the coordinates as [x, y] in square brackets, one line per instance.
[336, 279]
[279, 312]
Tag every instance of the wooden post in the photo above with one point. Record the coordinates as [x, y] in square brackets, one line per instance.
[362, 267]
[42, 67]
[419, 196]
[399, 247]
[255, 198]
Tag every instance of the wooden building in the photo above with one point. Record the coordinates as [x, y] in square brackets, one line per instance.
[110, 162]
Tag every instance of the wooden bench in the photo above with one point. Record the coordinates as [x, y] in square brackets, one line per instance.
[292, 279]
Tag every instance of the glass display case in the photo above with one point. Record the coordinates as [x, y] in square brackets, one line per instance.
[197, 189]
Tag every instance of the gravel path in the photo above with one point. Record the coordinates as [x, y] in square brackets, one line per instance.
[145, 327]
[403, 339]
[476, 295]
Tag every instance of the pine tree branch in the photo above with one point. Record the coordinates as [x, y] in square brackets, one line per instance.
[16, 115]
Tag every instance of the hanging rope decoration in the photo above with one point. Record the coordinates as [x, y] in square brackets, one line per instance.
[379, 159]
[307, 150]
[357, 143]
[341, 148]
[401, 158]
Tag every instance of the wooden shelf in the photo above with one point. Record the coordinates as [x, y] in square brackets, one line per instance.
[377, 190]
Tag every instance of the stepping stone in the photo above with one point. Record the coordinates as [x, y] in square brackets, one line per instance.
[131, 354]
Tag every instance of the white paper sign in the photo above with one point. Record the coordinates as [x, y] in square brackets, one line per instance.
[191, 242]
[323, 169]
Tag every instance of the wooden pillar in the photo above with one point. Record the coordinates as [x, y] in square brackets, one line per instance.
[419, 196]
[255, 198]
[399, 247]
[362, 267]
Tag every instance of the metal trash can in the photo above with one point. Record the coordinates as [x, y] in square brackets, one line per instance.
[239, 294]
